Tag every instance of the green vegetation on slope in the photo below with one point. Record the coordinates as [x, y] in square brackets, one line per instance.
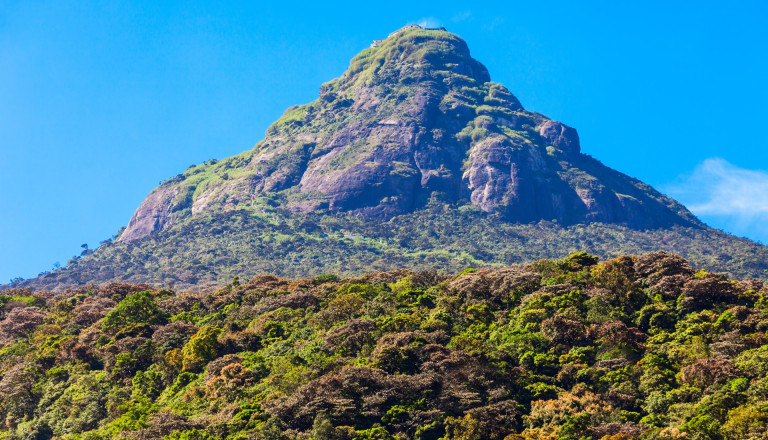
[211, 249]
[629, 348]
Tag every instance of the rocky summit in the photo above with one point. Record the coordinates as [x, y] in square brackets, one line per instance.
[415, 118]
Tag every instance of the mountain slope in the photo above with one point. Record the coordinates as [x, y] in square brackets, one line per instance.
[210, 249]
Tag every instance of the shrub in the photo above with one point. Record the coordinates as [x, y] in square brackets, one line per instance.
[21, 320]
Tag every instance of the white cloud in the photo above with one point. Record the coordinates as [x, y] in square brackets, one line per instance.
[429, 22]
[718, 188]
[726, 196]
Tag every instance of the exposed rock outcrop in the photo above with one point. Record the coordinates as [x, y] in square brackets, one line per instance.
[415, 119]
[153, 214]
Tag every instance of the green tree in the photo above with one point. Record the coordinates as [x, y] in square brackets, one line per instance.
[137, 308]
[201, 348]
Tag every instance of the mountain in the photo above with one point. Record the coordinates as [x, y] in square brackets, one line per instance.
[412, 158]
[415, 118]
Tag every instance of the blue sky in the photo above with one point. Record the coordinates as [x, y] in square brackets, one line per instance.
[100, 101]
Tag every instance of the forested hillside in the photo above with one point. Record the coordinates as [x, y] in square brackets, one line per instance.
[210, 250]
[629, 348]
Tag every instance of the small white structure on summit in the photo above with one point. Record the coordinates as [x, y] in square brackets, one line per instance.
[404, 28]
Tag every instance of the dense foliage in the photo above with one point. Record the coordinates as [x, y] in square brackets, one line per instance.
[628, 348]
[208, 250]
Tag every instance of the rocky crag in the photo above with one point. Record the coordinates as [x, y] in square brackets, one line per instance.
[413, 119]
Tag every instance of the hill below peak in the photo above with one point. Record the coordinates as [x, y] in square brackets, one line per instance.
[632, 348]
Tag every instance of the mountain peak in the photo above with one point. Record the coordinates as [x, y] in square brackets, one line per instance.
[414, 119]
[413, 51]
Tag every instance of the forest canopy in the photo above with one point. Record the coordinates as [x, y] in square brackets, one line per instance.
[636, 347]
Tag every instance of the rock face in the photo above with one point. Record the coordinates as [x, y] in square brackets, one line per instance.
[415, 119]
[155, 212]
